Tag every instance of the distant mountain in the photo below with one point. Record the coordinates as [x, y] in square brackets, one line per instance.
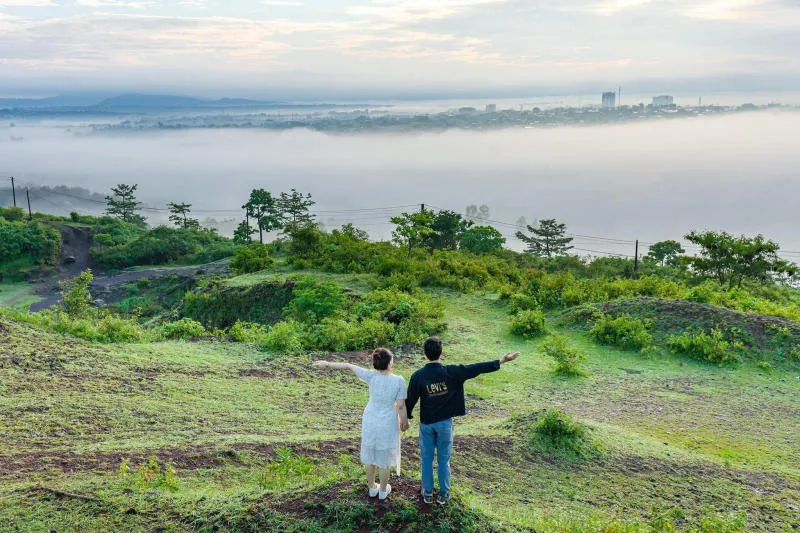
[62, 100]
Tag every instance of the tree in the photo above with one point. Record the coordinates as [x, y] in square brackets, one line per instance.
[123, 205]
[178, 216]
[482, 240]
[243, 233]
[263, 208]
[548, 239]
[352, 232]
[477, 214]
[294, 206]
[75, 296]
[413, 229]
[665, 252]
[732, 260]
[447, 229]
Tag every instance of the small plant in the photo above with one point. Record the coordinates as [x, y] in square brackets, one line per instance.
[287, 336]
[185, 328]
[623, 331]
[75, 296]
[711, 347]
[243, 331]
[288, 468]
[528, 324]
[558, 432]
[151, 475]
[568, 358]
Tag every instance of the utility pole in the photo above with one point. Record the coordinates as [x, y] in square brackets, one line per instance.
[13, 191]
[636, 259]
[421, 208]
[28, 194]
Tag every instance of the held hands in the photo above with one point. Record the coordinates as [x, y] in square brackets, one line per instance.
[404, 425]
[509, 357]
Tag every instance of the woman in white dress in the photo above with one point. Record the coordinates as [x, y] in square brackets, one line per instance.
[383, 419]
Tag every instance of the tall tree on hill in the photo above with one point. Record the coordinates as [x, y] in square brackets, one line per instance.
[733, 260]
[179, 216]
[548, 239]
[447, 226]
[122, 203]
[413, 229]
[665, 252]
[294, 207]
[263, 208]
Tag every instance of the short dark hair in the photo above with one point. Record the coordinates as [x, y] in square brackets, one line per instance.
[381, 359]
[433, 348]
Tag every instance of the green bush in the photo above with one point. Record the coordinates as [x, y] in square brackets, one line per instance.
[95, 326]
[568, 358]
[251, 258]
[528, 323]
[623, 331]
[522, 302]
[558, 432]
[288, 336]
[40, 242]
[314, 300]
[148, 476]
[218, 305]
[185, 328]
[711, 347]
[75, 296]
[248, 332]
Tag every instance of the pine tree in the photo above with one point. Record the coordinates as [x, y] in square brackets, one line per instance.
[179, 217]
[123, 205]
[548, 239]
[264, 209]
[294, 207]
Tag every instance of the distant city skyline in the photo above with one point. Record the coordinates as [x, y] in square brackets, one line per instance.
[342, 49]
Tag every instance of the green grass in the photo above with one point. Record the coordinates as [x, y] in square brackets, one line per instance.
[673, 437]
[17, 296]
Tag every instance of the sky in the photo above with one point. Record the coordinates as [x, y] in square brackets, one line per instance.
[311, 49]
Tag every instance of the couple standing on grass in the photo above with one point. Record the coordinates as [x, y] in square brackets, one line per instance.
[439, 389]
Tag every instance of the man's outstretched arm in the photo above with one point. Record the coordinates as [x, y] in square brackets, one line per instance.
[465, 372]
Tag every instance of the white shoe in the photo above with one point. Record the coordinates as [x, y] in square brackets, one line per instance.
[373, 492]
[383, 495]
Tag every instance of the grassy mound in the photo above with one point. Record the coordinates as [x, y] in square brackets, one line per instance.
[221, 305]
[764, 334]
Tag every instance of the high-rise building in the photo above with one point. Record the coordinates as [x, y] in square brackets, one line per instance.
[663, 100]
[491, 108]
[609, 99]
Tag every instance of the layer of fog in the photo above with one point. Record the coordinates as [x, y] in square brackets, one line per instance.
[650, 181]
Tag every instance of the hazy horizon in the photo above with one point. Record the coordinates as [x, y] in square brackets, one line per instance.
[650, 181]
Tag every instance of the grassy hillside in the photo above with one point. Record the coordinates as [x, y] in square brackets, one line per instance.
[260, 441]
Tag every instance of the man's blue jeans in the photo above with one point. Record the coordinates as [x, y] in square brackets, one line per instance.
[436, 438]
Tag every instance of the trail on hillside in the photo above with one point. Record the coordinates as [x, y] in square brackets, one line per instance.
[76, 256]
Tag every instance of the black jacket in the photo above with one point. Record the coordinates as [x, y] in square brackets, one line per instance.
[440, 389]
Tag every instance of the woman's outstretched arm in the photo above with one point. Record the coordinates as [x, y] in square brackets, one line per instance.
[337, 366]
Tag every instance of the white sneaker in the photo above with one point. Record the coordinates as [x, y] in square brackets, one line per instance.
[383, 495]
[373, 492]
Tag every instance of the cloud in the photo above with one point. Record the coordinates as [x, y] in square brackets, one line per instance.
[405, 11]
[27, 3]
[287, 3]
[113, 3]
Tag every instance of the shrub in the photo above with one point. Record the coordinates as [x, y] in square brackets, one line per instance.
[711, 347]
[40, 242]
[558, 432]
[248, 332]
[568, 358]
[151, 475]
[285, 337]
[185, 328]
[75, 296]
[623, 331]
[522, 302]
[528, 323]
[94, 326]
[251, 258]
[315, 300]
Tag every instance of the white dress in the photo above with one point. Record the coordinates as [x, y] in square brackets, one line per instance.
[380, 425]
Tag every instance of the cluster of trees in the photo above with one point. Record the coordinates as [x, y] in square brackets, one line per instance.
[444, 230]
[21, 238]
[273, 213]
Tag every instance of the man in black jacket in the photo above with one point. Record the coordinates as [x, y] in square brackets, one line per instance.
[440, 391]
